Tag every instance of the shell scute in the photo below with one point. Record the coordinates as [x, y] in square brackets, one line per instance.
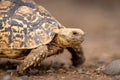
[23, 26]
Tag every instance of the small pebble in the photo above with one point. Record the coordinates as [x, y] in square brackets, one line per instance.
[9, 77]
[50, 70]
[5, 77]
[112, 68]
[23, 78]
[117, 77]
[80, 71]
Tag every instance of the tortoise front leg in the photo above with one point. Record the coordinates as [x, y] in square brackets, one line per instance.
[36, 56]
[77, 55]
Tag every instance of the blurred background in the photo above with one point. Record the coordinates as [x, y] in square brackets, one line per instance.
[99, 19]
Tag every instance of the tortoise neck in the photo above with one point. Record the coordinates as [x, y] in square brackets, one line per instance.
[59, 42]
[56, 41]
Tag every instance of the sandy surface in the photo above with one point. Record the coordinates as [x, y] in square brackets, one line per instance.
[100, 21]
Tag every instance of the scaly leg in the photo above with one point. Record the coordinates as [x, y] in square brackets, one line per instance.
[77, 55]
[36, 56]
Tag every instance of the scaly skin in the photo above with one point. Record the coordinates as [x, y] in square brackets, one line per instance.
[37, 55]
[35, 58]
[77, 53]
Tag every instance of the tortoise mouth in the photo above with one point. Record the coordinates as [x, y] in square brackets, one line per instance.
[76, 39]
[74, 42]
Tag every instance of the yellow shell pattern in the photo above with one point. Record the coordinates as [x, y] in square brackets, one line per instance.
[25, 25]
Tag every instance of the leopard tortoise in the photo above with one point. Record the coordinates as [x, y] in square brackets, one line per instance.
[27, 29]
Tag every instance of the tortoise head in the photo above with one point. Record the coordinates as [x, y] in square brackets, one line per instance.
[68, 37]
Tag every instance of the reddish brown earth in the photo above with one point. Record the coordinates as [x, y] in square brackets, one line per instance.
[100, 19]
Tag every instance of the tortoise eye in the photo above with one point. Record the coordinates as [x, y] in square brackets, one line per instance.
[74, 33]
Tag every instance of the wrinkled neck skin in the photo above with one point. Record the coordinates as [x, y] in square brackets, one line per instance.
[63, 43]
[60, 42]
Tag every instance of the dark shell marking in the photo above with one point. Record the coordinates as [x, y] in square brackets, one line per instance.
[25, 25]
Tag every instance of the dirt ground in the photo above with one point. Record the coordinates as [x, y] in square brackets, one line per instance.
[99, 19]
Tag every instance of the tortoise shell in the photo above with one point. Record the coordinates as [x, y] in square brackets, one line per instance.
[25, 25]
